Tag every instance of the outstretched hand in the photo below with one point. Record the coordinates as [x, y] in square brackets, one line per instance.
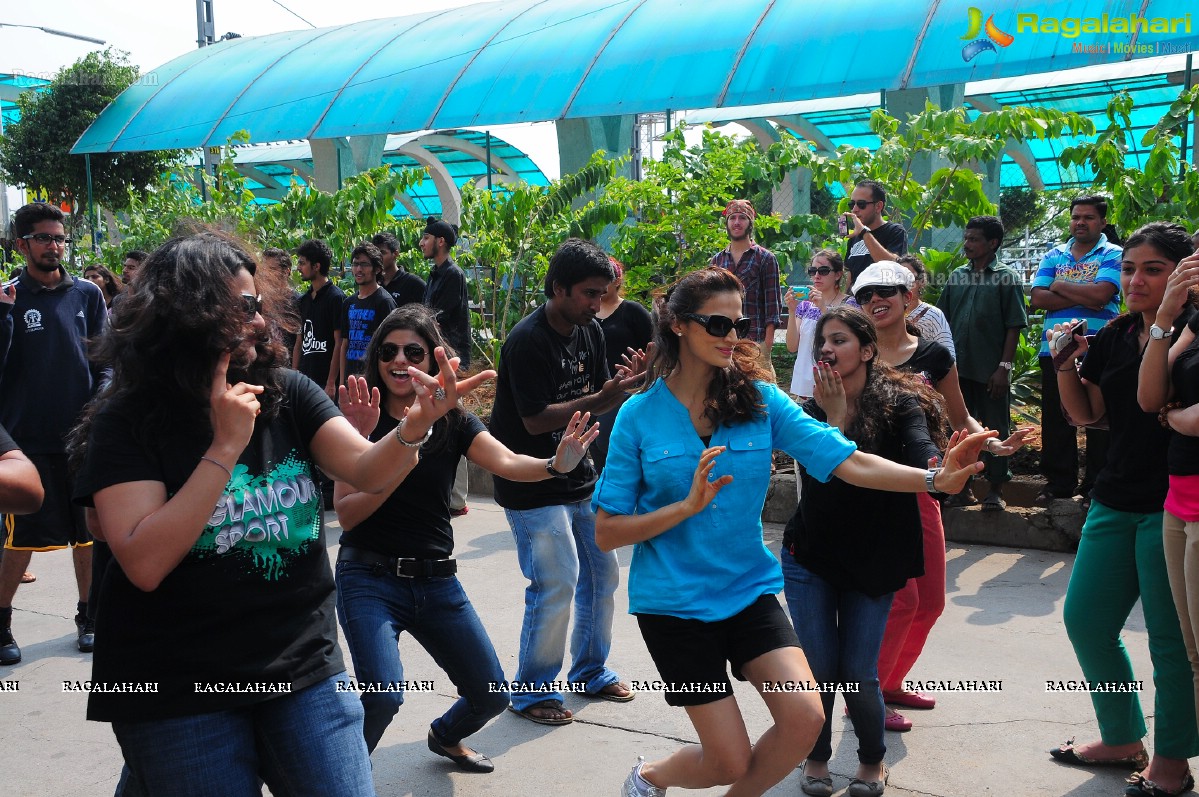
[232, 409]
[575, 439]
[437, 395]
[1005, 448]
[703, 487]
[359, 404]
[961, 459]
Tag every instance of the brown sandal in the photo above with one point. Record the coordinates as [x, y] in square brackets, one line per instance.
[543, 706]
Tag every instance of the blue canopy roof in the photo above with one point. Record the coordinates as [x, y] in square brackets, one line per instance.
[538, 60]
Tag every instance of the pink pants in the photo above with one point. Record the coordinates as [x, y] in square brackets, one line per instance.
[916, 606]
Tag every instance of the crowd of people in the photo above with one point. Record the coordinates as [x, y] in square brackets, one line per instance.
[184, 425]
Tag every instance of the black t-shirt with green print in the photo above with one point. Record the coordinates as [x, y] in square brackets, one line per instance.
[249, 612]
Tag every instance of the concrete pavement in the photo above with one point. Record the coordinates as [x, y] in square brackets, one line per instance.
[1002, 624]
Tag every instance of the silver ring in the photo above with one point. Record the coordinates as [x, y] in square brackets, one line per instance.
[439, 394]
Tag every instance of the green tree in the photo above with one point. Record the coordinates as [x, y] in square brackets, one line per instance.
[35, 150]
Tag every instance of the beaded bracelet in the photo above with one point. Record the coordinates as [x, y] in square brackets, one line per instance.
[418, 443]
[1164, 412]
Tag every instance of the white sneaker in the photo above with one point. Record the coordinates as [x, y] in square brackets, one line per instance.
[632, 787]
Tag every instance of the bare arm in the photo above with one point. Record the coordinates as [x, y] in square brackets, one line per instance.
[616, 531]
[334, 367]
[20, 486]
[955, 404]
[1087, 294]
[295, 352]
[1045, 299]
[1153, 380]
[497, 458]
[149, 534]
[877, 250]
[1081, 399]
[876, 473]
[609, 396]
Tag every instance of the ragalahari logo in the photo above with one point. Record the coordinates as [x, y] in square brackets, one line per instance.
[994, 35]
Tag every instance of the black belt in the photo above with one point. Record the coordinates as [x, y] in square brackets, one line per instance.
[405, 568]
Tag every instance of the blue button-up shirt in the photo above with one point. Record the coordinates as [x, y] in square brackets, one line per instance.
[714, 564]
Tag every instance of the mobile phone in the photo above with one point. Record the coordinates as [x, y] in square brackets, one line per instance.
[1064, 352]
[842, 225]
[802, 292]
[10, 283]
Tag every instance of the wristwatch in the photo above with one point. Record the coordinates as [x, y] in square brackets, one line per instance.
[1007, 366]
[1157, 333]
[557, 474]
[930, 478]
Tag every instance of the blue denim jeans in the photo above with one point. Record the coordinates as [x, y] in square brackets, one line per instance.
[558, 555]
[306, 743]
[375, 607]
[840, 631]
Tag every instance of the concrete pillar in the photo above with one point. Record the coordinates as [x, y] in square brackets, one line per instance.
[332, 162]
[578, 139]
[909, 102]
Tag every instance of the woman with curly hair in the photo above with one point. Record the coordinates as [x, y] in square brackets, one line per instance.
[687, 475]
[848, 548]
[199, 458]
[105, 280]
[395, 572]
[1121, 556]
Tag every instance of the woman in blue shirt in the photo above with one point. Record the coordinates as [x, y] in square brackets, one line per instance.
[688, 469]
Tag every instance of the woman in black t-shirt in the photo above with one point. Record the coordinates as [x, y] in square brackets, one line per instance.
[848, 549]
[627, 325]
[216, 655]
[394, 571]
[1121, 555]
[884, 290]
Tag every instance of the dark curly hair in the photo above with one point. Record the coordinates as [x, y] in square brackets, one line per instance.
[732, 394]
[419, 319]
[170, 329]
[885, 389]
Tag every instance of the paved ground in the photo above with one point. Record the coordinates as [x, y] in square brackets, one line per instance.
[1002, 623]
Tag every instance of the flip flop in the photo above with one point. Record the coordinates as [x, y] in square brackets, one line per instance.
[555, 705]
[604, 694]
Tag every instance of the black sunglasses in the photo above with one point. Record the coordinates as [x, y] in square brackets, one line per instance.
[252, 305]
[718, 326]
[823, 271]
[860, 203]
[864, 296]
[413, 353]
[45, 238]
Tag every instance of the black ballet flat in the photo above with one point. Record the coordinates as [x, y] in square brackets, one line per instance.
[467, 763]
[1139, 786]
[1067, 755]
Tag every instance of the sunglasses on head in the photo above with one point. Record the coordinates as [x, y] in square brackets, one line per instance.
[413, 353]
[823, 271]
[864, 296]
[860, 203]
[718, 326]
[252, 305]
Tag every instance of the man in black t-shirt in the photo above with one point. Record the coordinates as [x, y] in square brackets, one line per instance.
[362, 313]
[552, 365]
[445, 292]
[404, 287]
[320, 317]
[872, 238]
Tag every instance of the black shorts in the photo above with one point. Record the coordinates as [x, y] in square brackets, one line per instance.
[59, 523]
[691, 655]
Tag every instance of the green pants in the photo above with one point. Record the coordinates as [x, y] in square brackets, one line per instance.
[993, 413]
[1120, 558]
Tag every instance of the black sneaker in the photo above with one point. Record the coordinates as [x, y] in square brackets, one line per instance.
[87, 633]
[9, 652]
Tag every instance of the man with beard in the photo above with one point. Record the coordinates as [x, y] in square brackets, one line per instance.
[553, 365]
[46, 320]
[872, 238]
[445, 292]
[320, 316]
[758, 271]
[1079, 279]
[362, 313]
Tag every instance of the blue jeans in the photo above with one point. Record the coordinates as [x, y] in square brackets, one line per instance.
[375, 607]
[840, 631]
[558, 555]
[306, 743]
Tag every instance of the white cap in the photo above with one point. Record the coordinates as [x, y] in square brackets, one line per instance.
[884, 272]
